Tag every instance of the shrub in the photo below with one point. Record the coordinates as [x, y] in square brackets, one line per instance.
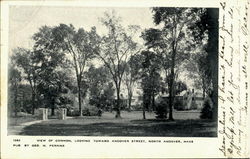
[178, 104]
[161, 110]
[136, 107]
[207, 111]
[72, 112]
[91, 111]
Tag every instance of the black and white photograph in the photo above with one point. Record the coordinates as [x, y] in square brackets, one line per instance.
[113, 71]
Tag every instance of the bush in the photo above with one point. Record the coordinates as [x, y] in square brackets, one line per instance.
[91, 111]
[178, 104]
[72, 112]
[161, 110]
[207, 111]
[136, 107]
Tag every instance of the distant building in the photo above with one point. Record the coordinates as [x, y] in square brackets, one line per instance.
[186, 100]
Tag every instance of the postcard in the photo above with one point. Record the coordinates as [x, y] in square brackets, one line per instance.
[125, 79]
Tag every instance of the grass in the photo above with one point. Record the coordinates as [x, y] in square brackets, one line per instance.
[16, 121]
[187, 124]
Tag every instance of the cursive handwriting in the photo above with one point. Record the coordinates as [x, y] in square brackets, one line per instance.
[233, 85]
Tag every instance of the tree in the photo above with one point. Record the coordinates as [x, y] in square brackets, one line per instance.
[132, 75]
[116, 48]
[207, 28]
[25, 97]
[150, 79]
[170, 41]
[54, 86]
[51, 58]
[199, 70]
[14, 81]
[25, 60]
[100, 87]
[81, 45]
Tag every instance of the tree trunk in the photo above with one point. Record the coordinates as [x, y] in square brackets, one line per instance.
[153, 101]
[213, 53]
[118, 112]
[144, 105]
[53, 108]
[143, 112]
[15, 101]
[129, 100]
[171, 87]
[33, 102]
[203, 88]
[203, 93]
[79, 93]
[23, 98]
[171, 103]
[130, 95]
[79, 100]
[52, 111]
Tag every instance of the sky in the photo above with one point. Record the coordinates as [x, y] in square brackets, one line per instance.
[26, 20]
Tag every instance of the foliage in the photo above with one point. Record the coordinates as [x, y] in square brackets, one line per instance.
[207, 111]
[91, 111]
[151, 81]
[161, 109]
[72, 112]
[116, 47]
[26, 61]
[207, 28]
[179, 87]
[199, 70]
[148, 72]
[47, 67]
[64, 100]
[137, 107]
[44, 68]
[131, 75]
[178, 104]
[81, 45]
[170, 41]
[101, 90]
[53, 74]
[14, 87]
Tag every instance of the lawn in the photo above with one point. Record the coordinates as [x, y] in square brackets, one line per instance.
[15, 124]
[187, 124]
[17, 121]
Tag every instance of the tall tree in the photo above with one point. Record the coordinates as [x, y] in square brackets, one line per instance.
[171, 41]
[206, 28]
[116, 48]
[150, 79]
[132, 75]
[51, 59]
[81, 45]
[25, 59]
[14, 81]
[199, 70]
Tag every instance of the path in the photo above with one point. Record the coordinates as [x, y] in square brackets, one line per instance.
[16, 129]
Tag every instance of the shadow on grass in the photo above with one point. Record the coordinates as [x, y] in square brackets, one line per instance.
[15, 121]
[177, 128]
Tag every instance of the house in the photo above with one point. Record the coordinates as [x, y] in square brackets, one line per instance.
[186, 100]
